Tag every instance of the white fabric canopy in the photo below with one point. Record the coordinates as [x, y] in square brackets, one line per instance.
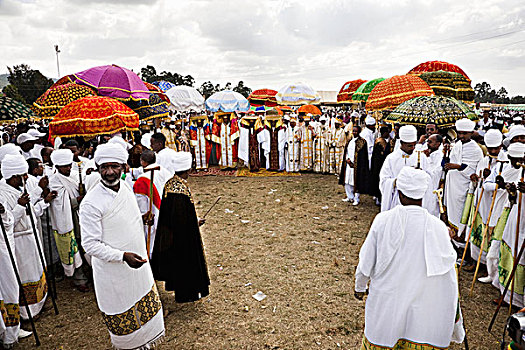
[227, 101]
[297, 94]
[184, 98]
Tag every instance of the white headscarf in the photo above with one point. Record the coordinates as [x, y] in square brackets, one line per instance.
[412, 182]
[369, 120]
[62, 157]
[493, 138]
[14, 164]
[110, 153]
[516, 150]
[182, 161]
[465, 125]
[8, 148]
[408, 133]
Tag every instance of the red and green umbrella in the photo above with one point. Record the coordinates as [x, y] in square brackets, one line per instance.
[362, 92]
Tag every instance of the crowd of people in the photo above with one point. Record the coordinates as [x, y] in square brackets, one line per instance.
[117, 210]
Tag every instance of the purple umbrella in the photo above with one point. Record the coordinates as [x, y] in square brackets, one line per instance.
[113, 81]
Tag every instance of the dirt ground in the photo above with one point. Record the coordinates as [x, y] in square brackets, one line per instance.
[291, 238]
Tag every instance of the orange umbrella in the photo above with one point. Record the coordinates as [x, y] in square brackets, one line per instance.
[309, 109]
[391, 92]
[93, 115]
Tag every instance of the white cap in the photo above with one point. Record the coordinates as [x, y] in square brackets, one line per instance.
[14, 164]
[516, 150]
[465, 125]
[35, 133]
[182, 161]
[62, 157]
[412, 182]
[110, 153]
[408, 133]
[25, 137]
[493, 138]
[516, 130]
[369, 120]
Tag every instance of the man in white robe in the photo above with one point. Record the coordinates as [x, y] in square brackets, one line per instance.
[368, 133]
[64, 216]
[395, 161]
[321, 147]
[165, 156]
[306, 135]
[463, 161]
[292, 146]
[434, 151]
[337, 147]
[27, 145]
[113, 234]
[12, 196]
[410, 263]
[142, 188]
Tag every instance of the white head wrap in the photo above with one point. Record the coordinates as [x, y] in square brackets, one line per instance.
[14, 164]
[412, 182]
[8, 148]
[493, 138]
[119, 140]
[465, 124]
[516, 150]
[408, 133]
[110, 153]
[62, 157]
[516, 130]
[369, 120]
[182, 161]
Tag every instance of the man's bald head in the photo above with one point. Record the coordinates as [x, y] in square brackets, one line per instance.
[434, 141]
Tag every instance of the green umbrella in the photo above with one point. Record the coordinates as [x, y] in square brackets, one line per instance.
[11, 110]
[362, 92]
[439, 110]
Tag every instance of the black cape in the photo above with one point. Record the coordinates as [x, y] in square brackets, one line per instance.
[361, 170]
[178, 255]
[381, 150]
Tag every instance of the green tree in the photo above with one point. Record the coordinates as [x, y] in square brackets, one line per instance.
[243, 90]
[29, 83]
[12, 92]
[149, 74]
[207, 89]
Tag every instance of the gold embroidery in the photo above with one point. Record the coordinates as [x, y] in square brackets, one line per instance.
[10, 314]
[177, 185]
[139, 314]
[35, 291]
[402, 344]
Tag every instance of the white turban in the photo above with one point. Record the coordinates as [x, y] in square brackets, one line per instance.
[8, 148]
[493, 138]
[14, 164]
[516, 150]
[120, 141]
[182, 161]
[323, 119]
[465, 124]
[516, 130]
[412, 182]
[62, 157]
[110, 153]
[408, 133]
[370, 120]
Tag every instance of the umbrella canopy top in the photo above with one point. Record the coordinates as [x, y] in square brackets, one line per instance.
[11, 110]
[440, 110]
[163, 85]
[156, 90]
[184, 98]
[155, 107]
[56, 98]
[227, 101]
[434, 66]
[263, 97]
[449, 84]
[92, 116]
[309, 109]
[393, 91]
[363, 91]
[348, 89]
[113, 81]
[297, 94]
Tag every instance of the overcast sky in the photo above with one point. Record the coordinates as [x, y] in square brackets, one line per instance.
[269, 43]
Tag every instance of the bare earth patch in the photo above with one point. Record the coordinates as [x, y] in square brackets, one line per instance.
[291, 238]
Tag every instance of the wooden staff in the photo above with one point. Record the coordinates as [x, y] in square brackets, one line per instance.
[485, 229]
[19, 280]
[150, 196]
[517, 238]
[472, 223]
[213, 205]
[81, 189]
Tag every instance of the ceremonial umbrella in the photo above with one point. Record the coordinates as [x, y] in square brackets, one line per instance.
[434, 66]
[297, 94]
[64, 80]
[363, 91]
[440, 110]
[227, 101]
[154, 107]
[11, 110]
[309, 109]
[393, 91]
[449, 84]
[91, 116]
[263, 97]
[347, 90]
[284, 109]
[163, 85]
[184, 98]
[113, 81]
[57, 97]
[157, 91]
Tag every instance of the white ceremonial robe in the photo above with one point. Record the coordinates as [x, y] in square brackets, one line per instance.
[350, 155]
[393, 164]
[458, 181]
[93, 178]
[227, 144]
[9, 290]
[159, 180]
[435, 171]
[306, 151]
[486, 200]
[321, 149]
[26, 251]
[281, 144]
[199, 149]
[370, 139]
[112, 225]
[292, 149]
[62, 221]
[409, 260]
[166, 159]
[244, 143]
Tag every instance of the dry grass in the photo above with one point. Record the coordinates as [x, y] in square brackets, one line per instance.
[300, 255]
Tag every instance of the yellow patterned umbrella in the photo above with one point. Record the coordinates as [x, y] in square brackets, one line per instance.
[55, 98]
